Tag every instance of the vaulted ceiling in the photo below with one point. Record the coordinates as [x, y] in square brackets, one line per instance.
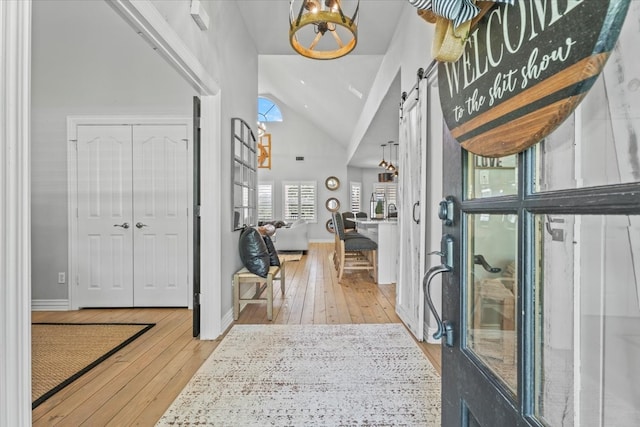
[332, 93]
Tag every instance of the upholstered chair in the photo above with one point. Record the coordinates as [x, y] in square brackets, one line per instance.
[353, 251]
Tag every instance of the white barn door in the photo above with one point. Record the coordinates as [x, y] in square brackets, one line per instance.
[132, 237]
[411, 195]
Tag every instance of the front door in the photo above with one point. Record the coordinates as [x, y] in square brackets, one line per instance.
[481, 295]
[543, 300]
[132, 215]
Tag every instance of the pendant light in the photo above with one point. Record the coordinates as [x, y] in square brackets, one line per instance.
[383, 163]
[395, 172]
[390, 167]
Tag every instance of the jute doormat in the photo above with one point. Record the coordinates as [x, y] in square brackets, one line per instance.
[311, 375]
[62, 352]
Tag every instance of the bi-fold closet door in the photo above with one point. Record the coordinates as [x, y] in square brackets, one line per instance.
[132, 215]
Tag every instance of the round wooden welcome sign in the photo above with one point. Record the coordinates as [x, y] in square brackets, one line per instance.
[525, 68]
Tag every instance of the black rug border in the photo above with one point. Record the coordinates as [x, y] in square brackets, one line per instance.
[95, 363]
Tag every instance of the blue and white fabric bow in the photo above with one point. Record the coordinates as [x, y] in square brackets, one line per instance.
[458, 11]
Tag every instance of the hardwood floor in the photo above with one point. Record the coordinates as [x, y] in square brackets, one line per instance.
[136, 385]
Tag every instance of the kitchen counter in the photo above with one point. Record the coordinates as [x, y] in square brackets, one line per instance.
[385, 234]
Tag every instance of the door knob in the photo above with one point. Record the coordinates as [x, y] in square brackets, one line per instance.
[140, 225]
[123, 225]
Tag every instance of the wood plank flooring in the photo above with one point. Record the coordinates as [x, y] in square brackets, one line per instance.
[136, 385]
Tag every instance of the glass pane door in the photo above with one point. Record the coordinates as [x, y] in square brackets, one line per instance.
[491, 294]
[588, 321]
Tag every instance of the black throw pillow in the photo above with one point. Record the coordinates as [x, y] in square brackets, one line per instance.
[273, 253]
[253, 252]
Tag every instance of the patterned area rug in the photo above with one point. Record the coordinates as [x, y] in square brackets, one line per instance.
[62, 352]
[311, 375]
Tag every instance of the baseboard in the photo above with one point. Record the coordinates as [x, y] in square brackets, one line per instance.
[321, 240]
[227, 320]
[50, 305]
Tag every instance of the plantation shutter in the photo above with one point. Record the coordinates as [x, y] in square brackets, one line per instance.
[389, 190]
[356, 197]
[308, 202]
[265, 201]
[300, 201]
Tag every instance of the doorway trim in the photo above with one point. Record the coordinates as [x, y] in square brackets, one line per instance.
[72, 187]
[146, 20]
[15, 213]
[15, 210]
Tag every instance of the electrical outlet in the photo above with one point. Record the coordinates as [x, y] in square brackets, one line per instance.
[61, 278]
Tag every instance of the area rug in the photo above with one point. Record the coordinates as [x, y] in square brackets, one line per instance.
[63, 352]
[311, 375]
[290, 256]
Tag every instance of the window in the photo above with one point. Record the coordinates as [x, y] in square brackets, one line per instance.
[299, 200]
[387, 189]
[268, 111]
[355, 195]
[265, 201]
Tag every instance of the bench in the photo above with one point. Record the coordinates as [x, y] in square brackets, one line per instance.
[262, 283]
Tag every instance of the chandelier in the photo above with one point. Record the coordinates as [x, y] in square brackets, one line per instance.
[309, 22]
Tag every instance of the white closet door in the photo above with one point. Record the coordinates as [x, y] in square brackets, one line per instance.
[413, 148]
[160, 216]
[105, 270]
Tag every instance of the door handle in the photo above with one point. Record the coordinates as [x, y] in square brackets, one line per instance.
[445, 328]
[479, 260]
[415, 205]
[124, 225]
[140, 225]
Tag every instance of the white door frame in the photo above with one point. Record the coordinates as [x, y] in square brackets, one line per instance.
[72, 186]
[15, 201]
[15, 213]
[151, 25]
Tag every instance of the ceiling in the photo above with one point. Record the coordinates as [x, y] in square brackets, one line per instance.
[331, 94]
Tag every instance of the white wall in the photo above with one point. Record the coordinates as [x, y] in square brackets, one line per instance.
[323, 157]
[91, 62]
[229, 55]
[409, 50]
[235, 60]
[86, 61]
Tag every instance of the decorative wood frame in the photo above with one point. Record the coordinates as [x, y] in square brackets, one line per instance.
[264, 151]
